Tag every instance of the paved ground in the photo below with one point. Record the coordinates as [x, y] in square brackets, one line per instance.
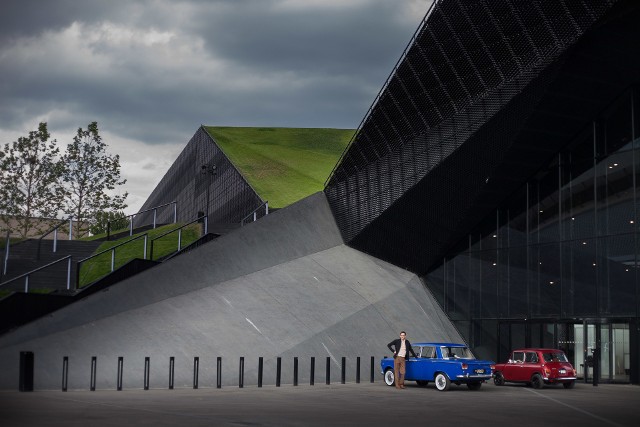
[321, 405]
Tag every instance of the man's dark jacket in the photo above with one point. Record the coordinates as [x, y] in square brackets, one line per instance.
[397, 343]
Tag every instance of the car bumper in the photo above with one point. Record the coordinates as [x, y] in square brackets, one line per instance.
[559, 380]
[474, 377]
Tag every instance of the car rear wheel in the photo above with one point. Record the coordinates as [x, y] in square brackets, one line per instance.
[389, 378]
[474, 386]
[498, 378]
[442, 382]
[422, 383]
[536, 381]
[570, 384]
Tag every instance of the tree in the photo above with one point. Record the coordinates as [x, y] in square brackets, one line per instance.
[117, 219]
[89, 177]
[29, 172]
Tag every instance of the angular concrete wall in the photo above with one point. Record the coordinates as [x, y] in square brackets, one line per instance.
[285, 286]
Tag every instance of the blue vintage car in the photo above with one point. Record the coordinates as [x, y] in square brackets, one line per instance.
[442, 363]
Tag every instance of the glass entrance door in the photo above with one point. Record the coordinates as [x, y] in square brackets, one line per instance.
[611, 343]
[620, 352]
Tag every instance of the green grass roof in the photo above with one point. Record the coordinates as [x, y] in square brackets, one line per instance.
[283, 165]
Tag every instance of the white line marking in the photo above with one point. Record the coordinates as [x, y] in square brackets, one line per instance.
[330, 355]
[316, 278]
[253, 325]
[604, 420]
[227, 301]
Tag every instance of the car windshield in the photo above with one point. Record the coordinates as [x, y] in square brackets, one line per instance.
[456, 352]
[555, 357]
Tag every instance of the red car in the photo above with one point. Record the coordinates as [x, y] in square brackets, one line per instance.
[536, 366]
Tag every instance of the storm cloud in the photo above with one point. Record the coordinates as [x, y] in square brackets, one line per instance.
[150, 72]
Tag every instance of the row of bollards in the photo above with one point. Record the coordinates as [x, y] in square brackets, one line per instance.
[196, 372]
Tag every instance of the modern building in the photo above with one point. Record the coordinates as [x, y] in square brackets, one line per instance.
[490, 194]
[500, 163]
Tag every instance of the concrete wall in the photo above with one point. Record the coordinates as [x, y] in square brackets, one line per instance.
[283, 286]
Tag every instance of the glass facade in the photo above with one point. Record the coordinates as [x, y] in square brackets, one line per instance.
[557, 264]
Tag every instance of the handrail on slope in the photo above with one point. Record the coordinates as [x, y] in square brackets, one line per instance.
[29, 273]
[255, 213]
[113, 254]
[179, 230]
[54, 230]
[155, 211]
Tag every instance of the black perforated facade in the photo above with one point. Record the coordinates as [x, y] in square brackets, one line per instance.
[500, 163]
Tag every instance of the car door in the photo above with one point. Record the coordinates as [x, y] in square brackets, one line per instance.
[513, 369]
[422, 368]
[530, 366]
[412, 365]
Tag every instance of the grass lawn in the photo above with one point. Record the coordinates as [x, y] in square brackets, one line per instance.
[283, 165]
[98, 267]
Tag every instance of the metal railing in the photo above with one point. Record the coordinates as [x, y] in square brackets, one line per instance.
[179, 230]
[6, 254]
[155, 217]
[68, 258]
[254, 214]
[113, 255]
[54, 230]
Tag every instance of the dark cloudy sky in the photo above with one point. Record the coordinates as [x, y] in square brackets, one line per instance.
[151, 72]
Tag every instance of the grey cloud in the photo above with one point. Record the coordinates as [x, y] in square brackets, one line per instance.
[236, 63]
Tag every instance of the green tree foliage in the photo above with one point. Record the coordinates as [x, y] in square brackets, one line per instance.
[89, 178]
[29, 170]
[118, 221]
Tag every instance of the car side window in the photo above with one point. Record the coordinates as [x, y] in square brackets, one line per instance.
[428, 352]
[518, 356]
[531, 357]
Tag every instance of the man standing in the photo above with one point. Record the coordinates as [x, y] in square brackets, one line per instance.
[401, 346]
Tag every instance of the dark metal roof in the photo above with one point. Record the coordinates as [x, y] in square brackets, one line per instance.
[485, 96]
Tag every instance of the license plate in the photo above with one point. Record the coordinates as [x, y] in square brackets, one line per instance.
[479, 371]
[562, 371]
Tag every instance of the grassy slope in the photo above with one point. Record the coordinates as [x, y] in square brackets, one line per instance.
[99, 266]
[283, 165]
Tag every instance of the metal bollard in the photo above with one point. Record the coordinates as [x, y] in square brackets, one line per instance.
[358, 370]
[119, 377]
[372, 363]
[219, 372]
[278, 370]
[94, 363]
[260, 365]
[343, 370]
[312, 374]
[65, 372]
[328, 379]
[172, 363]
[295, 371]
[241, 373]
[196, 371]
[147, 368]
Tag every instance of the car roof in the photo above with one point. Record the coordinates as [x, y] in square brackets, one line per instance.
[440, 344]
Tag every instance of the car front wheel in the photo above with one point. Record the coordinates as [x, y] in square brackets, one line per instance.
[442, 382]
[570, 384]
[498, 378]
[389, 378]
[536, 381]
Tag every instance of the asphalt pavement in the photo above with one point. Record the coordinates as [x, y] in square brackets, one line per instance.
[370, 404]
